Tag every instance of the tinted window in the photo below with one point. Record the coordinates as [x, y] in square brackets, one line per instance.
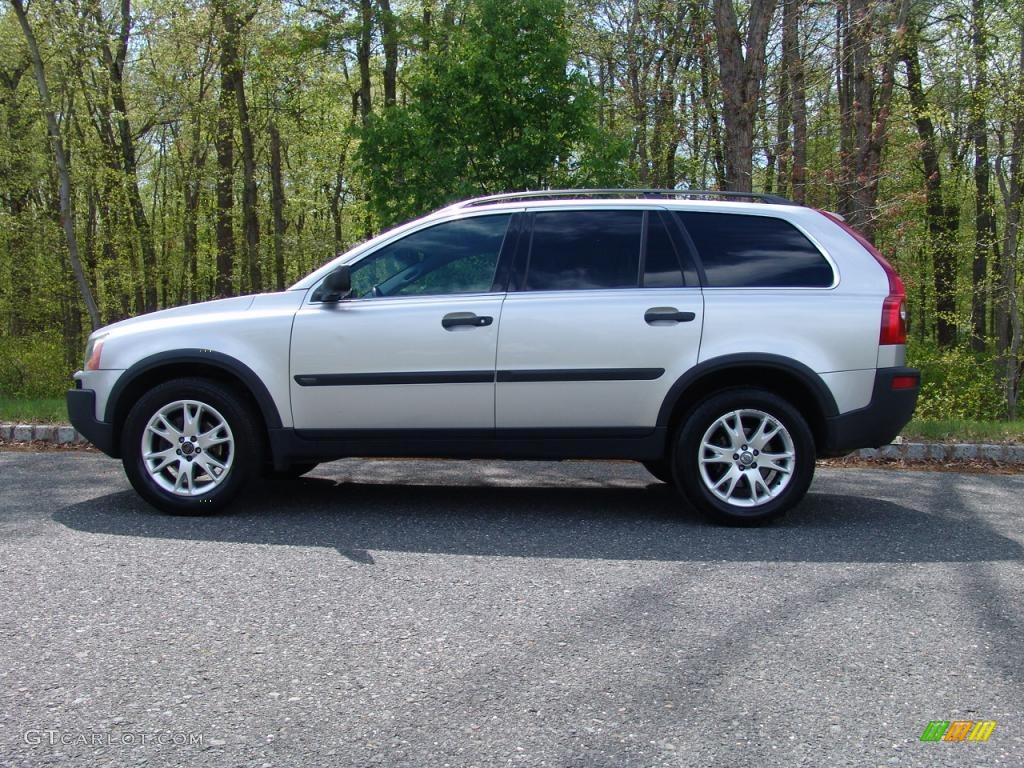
[454, 257]
[578, 250]
[755, 252]
[661, 265]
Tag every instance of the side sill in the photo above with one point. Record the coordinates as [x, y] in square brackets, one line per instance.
[636, 444]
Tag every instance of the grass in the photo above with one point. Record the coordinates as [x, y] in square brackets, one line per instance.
[963, 431]
[38, 411]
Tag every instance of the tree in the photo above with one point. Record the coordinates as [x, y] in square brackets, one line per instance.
[67, 206]
[493, 108]
[741, 63]
[865, 92]
[942, 219]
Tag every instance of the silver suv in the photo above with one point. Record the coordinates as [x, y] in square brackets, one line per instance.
[723, 340]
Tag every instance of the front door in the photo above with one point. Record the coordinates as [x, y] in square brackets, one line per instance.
[414, 345]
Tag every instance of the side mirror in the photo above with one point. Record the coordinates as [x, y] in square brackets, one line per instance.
[336, 286]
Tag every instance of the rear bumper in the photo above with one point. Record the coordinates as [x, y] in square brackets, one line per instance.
[82, 412]
[881, 420]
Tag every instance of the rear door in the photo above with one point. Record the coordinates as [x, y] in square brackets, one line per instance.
[604, 315]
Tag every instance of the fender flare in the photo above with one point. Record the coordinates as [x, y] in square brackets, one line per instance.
[236, 368]
[825, 402]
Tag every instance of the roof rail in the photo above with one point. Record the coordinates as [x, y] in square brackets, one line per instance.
[507, 197]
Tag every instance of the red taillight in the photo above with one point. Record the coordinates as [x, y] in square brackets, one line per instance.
[894, 308]
[904, 382]
[894, 317]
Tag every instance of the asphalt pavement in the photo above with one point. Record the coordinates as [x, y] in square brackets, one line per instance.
[428, 613]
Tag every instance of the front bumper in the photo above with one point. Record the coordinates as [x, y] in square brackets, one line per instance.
[82, 412]
[881, 420]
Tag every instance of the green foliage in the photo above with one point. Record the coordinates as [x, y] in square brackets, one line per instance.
[956, 384]
[31, 367]
[492, 107]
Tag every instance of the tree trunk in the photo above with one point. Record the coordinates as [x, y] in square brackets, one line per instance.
[708, 96]
[864, 101]
[794, 66]
[115, 67]
[232, 59]
[1011, 183]
[363, 55]
[942, 220]
[277, 203]
[389, 35]
[741, 79]
[67, 208]
[984, 204]
[225, 173]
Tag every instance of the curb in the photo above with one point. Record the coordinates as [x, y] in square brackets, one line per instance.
[54, 434]
[64, 434]
[985, 453]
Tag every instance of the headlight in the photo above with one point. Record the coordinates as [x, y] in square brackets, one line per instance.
[93, 350]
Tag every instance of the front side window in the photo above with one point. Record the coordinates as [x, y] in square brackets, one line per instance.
[755, 252]
[584, 250]
[454, 257]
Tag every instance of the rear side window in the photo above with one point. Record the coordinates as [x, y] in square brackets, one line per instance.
[584, 250]
[755, 252]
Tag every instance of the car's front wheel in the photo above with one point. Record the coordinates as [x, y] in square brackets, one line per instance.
[189, 445]
[744, 456]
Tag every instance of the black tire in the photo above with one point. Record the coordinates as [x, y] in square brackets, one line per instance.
[748, 501]
[213, 488]
[661, 469]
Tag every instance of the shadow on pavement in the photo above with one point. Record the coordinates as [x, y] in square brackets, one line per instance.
[639, 523]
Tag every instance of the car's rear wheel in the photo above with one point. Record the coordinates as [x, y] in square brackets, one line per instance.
[189, 446]
[744, 456]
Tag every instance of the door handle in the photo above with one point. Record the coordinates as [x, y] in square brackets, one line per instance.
[667, 315]
[455, 319]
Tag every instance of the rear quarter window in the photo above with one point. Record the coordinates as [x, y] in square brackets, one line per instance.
[740, 251]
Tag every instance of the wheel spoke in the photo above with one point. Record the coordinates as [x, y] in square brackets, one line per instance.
[736, 434]
[780, 462]
[191, 423]
[183, 482]
[166, 457]
[212, 437]
[210, 465]
[732, 478]
[758, 487]
[762, 436]
[719, 455]
[163, 428]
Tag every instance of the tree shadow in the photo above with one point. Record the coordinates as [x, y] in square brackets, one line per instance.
[612, 523]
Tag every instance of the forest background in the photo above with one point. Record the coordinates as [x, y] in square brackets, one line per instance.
[159, 152]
